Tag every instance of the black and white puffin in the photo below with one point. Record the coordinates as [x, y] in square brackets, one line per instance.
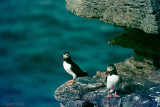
[113, 80]
[72, 68]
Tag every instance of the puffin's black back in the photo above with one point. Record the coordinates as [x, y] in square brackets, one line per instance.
[77, 70]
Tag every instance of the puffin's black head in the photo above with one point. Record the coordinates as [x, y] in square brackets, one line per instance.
[66, 56]
[111, 69]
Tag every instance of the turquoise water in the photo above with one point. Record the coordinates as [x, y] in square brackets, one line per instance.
[33, 36]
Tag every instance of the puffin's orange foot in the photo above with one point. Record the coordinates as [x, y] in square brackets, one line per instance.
[70, 82]
[116, 95]
[108, 96]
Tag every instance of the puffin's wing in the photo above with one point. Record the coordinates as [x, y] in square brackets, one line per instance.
[78, 71]
[106, 79]
[120, 79]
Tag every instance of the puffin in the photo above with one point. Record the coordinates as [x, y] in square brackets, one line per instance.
[113, 80]
[72, 68]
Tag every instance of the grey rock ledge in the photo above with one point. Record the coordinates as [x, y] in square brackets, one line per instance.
[91, 92]
[141, 14]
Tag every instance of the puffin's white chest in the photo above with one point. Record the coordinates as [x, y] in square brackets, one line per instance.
[113, 81]
[67, 67]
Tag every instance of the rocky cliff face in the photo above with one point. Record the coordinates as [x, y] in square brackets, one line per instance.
[141, 14]
[140, 73]
[146, 48]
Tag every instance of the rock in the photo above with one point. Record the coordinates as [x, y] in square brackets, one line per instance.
[77, 103]
[146, 48]
[141, 14]
[139, 41]
[134, 90]
[100, 76]
[75, 92]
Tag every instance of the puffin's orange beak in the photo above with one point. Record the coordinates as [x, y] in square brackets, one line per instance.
[106, 72]
[63, 58]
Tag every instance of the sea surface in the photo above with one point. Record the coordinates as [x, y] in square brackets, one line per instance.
[33, 36]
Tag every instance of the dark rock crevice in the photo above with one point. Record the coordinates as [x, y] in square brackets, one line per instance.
[146, 48]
